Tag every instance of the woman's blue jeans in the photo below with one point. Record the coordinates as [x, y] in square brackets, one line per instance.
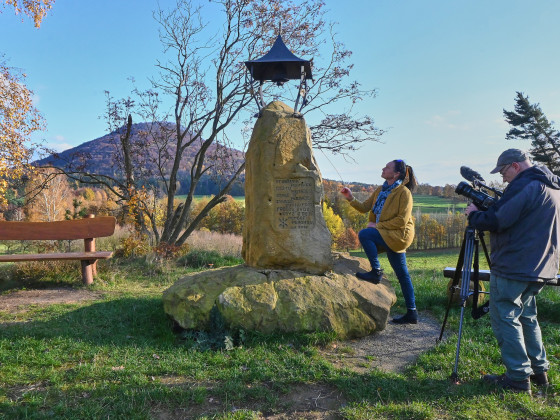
[373, 244]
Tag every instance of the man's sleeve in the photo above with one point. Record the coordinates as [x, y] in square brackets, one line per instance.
[516, 209]
[484, 220]
[506, 215]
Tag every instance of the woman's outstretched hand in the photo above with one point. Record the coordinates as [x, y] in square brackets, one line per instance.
[347, 193]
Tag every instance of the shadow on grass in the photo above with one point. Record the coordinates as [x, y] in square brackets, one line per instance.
[10, 280]
[115, 322]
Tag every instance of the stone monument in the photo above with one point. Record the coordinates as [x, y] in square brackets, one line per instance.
[290, 281]
[284, 225]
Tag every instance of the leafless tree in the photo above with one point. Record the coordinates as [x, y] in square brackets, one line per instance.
[201, 89]
[48, 196]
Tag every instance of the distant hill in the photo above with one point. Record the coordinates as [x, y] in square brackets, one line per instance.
[102, 156]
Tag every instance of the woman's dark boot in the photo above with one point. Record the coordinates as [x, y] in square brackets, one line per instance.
[374, 276]
[411, 317]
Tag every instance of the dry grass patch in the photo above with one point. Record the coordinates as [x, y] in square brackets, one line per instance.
[224, 244]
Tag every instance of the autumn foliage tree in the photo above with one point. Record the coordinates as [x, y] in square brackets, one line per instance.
[226, 217]
[18, 116]
[34, 9]
[334, 224]
[49, 196]
[18, 119]
[348, 240]
[353, 218]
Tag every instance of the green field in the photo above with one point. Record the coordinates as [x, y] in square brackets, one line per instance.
[116, 356]
[200, 197]
[424, 203]
[431, 204]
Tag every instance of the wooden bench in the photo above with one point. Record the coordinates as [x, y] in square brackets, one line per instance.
[87, 229]
[484, 275]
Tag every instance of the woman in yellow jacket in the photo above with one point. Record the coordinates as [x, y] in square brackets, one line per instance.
[390, 229]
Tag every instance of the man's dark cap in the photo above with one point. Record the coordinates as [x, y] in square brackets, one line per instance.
[508, 157]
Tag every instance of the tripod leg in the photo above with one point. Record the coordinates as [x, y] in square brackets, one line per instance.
[465, 291]
[456, 277]
[455, 374]
[467, 265]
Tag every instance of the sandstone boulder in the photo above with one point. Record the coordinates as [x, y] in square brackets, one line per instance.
[283, 300]
[284, 226]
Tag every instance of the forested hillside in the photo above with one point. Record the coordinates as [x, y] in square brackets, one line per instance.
[101, 155]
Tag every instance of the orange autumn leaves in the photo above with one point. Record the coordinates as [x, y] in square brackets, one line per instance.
[18, 116]
[18, 119]
[35, 9]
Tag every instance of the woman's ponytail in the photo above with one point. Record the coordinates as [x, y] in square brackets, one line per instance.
[406, 174]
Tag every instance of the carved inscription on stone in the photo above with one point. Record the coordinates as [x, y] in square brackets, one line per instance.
[294, 208]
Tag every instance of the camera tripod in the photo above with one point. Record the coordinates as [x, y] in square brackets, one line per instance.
[468, 257]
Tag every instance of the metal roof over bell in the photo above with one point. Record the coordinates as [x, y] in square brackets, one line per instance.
[279, 65]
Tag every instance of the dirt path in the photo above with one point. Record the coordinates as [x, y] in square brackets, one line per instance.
[18, 301]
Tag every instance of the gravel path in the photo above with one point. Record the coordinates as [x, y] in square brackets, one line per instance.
[390, 350]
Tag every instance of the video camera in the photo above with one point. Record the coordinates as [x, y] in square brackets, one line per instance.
[477, 192]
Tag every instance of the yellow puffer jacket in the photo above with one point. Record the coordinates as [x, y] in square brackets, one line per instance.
[395, 223]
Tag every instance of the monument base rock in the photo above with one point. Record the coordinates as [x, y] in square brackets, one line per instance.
[269, 301]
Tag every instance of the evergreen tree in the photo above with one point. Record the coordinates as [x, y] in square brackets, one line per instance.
[528, 122]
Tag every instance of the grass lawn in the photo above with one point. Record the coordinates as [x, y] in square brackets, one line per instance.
[116, 356]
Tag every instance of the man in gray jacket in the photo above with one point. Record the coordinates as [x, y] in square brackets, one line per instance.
[524, 230]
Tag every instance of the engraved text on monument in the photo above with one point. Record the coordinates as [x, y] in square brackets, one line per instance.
[294, 207]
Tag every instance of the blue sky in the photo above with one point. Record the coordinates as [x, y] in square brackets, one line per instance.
[444, 71]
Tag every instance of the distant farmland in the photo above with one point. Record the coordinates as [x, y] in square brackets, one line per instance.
[423, 203]
[434, 204]
[200, 197]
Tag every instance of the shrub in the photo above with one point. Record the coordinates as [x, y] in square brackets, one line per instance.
[133, 246]
[170, 251]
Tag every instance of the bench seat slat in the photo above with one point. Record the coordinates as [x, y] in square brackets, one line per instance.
[484, 275]
[84, 256]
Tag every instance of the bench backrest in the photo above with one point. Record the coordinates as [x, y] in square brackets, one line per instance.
[95, 227]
